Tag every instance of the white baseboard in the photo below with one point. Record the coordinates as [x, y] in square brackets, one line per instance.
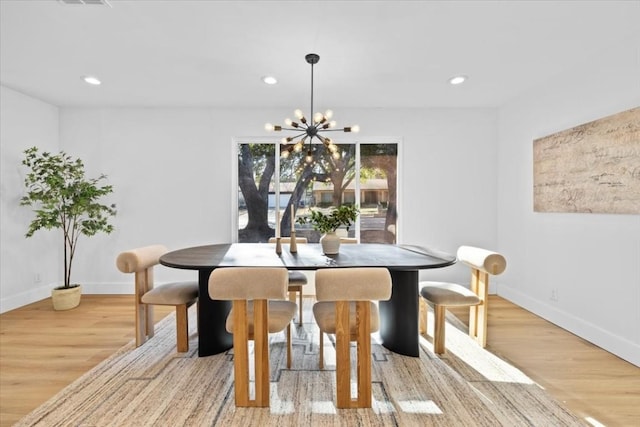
[610, 342]
[24, 298]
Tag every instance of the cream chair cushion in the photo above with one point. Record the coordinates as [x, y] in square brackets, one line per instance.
[172, 294]
[297, 278]
[280, 314]
[325, 315]
[238, 283]
[448, 294]
[353, 284]
[140, 259]
[482, 259]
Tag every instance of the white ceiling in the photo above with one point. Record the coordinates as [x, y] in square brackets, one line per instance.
[194, 53]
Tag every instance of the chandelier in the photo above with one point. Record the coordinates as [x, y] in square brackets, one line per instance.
[309, 128]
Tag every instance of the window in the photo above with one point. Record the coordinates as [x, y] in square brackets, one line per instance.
[268, 186]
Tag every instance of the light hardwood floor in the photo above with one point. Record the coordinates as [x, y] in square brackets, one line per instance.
[42, 351]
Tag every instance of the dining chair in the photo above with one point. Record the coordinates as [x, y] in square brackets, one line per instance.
[259, 307]
[297, 279]
[182, 295]
[345, 308]
[444, 294]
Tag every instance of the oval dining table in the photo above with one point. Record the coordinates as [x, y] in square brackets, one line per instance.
[398, 315]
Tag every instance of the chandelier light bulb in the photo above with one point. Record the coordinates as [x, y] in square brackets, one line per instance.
[309, 157]
[285, 154]
[92, 80]
[328, 114]
[456, 80]
[317, 117]
[288, 121]
[268, 127]
[336, 155]
[298, 147]
[355, 129]
[298, 113]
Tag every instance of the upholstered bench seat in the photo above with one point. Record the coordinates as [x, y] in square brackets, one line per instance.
[449, 294]
[172, 294]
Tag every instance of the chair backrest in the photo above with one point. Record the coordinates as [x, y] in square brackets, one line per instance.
[248, 283]
[288, 240]
[140, 259]
[481, 259]
[353, 284]
[348, 240]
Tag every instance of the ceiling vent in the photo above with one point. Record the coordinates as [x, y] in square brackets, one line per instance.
[85, 2]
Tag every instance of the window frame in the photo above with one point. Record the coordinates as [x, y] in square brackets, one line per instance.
[357, 142]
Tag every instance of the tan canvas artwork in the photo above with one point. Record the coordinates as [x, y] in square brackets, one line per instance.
[594, 167]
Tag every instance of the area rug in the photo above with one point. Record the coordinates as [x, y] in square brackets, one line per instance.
[152, 385]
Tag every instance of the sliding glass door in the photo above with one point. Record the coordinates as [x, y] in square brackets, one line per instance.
[274, 190]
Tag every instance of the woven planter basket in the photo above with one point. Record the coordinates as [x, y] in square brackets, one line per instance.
[66, 299]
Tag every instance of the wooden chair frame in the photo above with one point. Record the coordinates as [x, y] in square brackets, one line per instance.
[363, 355]
[129, 262]
[241, 339]
[232, 286]
[482, 266]
[364, 286]
[478, 314]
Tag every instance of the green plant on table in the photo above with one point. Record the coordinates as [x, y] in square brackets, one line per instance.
[337, 217]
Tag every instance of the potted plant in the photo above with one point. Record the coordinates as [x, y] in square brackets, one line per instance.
[329, 223]
[62, 197]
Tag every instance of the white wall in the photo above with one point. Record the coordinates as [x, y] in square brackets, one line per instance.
[29, 267]
[171, 169]
[591, 261]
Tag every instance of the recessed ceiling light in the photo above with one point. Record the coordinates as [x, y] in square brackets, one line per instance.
[456, 80]
[92, 80]
[270, 80]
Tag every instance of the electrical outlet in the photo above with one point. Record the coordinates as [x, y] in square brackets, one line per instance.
[554, 295]
[37, 278]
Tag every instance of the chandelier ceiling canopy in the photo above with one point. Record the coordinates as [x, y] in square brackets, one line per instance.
[308, 128]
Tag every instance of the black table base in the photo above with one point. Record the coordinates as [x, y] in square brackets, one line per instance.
[399, 315]
[212, 317]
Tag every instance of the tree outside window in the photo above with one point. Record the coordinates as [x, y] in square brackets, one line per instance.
[324, 183]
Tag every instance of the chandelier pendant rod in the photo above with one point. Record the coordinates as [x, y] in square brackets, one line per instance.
[311, 110]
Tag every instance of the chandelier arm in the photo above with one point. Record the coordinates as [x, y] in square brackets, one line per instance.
[295, 130]
[296, 136]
